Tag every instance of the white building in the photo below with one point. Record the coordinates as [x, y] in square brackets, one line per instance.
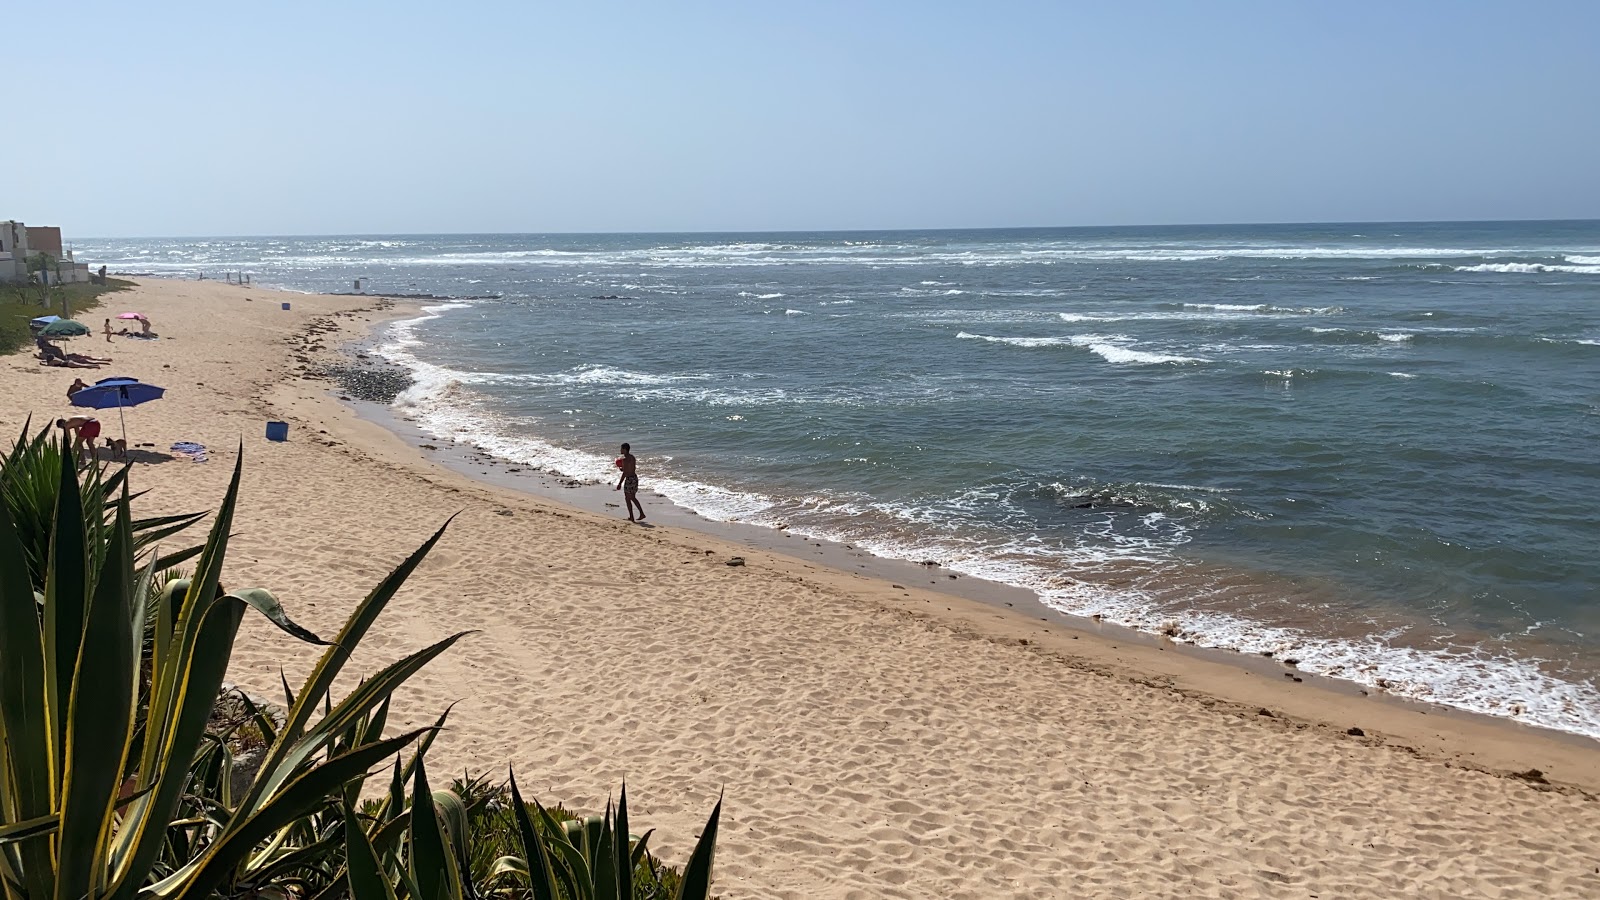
[15, 250]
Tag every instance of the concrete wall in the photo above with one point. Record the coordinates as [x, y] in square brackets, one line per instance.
[13, 251]
[45, 239]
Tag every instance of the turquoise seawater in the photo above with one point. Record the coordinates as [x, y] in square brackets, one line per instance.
[1372, 448]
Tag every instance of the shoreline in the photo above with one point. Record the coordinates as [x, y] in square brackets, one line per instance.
[482, 467]
[869, 741]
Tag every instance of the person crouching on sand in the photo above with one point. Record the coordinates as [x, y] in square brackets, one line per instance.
[628, 483]
[84, 430]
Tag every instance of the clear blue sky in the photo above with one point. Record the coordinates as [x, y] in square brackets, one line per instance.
[166, 118]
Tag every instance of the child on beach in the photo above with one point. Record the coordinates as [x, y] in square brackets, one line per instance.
[109, 332]
[628, 483]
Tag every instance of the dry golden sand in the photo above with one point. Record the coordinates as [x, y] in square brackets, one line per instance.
[872, 742]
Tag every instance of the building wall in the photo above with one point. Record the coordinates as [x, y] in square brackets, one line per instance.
[45, 239]
[13, 251]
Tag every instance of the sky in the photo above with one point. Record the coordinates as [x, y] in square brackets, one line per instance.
[179, 119]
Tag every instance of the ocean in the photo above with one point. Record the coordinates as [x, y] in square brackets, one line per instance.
[1371, 449]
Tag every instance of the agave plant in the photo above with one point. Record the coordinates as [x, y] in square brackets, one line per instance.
[30, 477]
[88, 812]
[113, 788]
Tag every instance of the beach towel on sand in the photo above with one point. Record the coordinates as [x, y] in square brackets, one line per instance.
[195, 452]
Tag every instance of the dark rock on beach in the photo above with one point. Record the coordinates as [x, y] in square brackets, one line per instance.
[374, 384]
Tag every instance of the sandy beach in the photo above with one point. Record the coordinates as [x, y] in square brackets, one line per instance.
[870, 739]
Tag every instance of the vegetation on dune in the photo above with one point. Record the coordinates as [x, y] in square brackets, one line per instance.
[21, 302]
[120, 779]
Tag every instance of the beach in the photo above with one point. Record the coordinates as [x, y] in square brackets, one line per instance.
[869, 737]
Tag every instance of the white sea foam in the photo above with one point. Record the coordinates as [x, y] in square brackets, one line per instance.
[1531, 269]
[1230, 307]
[760, 296]
[1115, 349]
[1584, 260]
[835, 302]
[1402, 375]
[1395, 337]
[1018, 341]
[795, 312]
[1112, 348]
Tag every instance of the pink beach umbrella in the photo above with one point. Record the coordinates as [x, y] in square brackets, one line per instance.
[133, 315]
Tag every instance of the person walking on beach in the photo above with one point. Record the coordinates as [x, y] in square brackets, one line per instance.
[628, 483]
[108, 331]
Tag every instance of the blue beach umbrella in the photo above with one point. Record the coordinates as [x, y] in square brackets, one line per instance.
[118, 392]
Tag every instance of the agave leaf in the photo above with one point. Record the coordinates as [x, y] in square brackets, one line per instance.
[21, 831]
[332, 662]
[296, 799]
[431, 864]
[266, 604]
[573, 869]
[23, 711]
[182, 691]
[269, 731]
[368, 881]
[639, 849]
[66, 595]
[366, 696]
[453, 815]
[169, 750]
[99, 721]
[508, 865]
[624, 860]
[536, 861]
[312, 855]
[696, 884]
[163, 563]
[603, 861]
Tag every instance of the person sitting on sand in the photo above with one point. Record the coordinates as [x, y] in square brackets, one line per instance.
[628, 482]
[48, 350]
[84, 430]
[78, 384]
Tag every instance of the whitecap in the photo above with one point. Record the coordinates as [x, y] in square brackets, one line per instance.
[1115, 349]
[1531, 269]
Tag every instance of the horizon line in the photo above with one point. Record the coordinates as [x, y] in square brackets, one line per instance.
[834, 230]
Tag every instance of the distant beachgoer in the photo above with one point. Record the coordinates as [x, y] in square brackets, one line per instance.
[144, 327]
[109, 332]
[47, 350]
[84, 431]
[628, 483]
[78, 384]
